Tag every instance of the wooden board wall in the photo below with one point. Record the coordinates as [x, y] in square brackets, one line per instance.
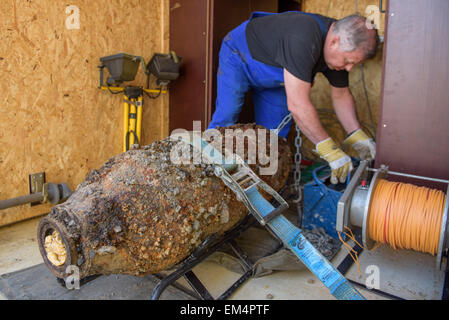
[372, 69]
[53, 118]
[341, 8]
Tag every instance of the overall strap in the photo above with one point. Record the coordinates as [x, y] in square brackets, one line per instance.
[321, 23]
[323, 27]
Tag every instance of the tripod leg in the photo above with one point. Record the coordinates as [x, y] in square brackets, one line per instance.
[125, 122]
[132, 122]
[139, 119]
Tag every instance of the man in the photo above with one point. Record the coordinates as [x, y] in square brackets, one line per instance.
[277, 57]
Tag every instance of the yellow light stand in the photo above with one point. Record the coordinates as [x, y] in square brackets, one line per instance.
[132, 112]
[123, 67]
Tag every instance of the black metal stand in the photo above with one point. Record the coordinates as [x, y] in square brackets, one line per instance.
[347, 263]
[83, 281]
[206, 248]
[445, 295]
[209, 246]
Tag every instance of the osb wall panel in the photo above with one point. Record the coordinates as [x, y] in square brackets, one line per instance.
[341, 8]
[320, 94]
[53, 118]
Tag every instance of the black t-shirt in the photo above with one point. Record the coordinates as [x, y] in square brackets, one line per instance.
[294, 41]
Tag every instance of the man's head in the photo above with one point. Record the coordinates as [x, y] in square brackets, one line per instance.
[350, 41]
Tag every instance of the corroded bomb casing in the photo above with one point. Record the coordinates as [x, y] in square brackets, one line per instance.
[140, 213]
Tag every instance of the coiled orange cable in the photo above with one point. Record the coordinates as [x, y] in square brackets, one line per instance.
[406, 216]
[350, 250]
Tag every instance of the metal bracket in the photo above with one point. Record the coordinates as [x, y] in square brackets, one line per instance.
[381, 173]
[344, 203]
[40, 193]
[135, 103]
[36, 183]
[133, 92]
[380, 7]
[101, 67]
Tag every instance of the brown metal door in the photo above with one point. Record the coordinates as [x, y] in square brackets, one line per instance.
[189, 39]
[197, 28]
[414, 116]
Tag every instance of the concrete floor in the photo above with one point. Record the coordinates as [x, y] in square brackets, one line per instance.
[399, 275]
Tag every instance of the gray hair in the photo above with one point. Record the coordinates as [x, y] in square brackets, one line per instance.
[355, 32]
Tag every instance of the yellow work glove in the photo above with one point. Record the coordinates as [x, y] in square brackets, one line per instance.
[362, 143]
[339, 161]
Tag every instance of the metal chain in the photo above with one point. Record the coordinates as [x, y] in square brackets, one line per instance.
[298, 158]
[283, 123]
[297, 174]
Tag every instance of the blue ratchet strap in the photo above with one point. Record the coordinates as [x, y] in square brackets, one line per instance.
[294, 240]
[290, 235]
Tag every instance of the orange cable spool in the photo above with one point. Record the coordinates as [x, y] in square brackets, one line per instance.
[406, 216]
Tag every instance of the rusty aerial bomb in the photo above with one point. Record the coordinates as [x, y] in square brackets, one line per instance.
[140, 213]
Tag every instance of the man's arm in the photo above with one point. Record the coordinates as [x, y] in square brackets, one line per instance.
[305, 115]
[344, 107]
[302, 109]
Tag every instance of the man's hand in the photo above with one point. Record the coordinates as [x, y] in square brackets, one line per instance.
[339, 161]
[362, 143]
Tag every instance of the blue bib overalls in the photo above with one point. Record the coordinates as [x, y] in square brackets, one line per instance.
[238, 73]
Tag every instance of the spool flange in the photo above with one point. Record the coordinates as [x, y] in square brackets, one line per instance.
[379, 174]
[442, 244]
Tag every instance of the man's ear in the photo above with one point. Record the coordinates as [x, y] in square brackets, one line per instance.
[335, 42]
